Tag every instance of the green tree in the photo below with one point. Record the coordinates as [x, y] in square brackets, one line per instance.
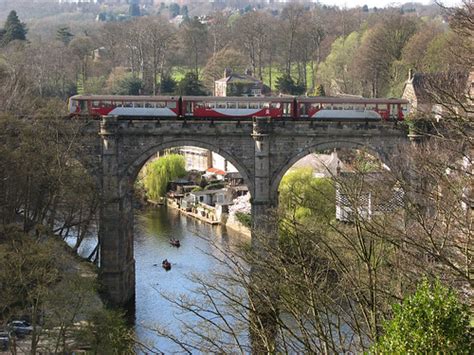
[303, 195]
[14, 29]
[174, 10]
[319, 90]
[160, 172]
[191, 85]
[64, 35]
[167, 85]
[431, 321]
[287, 85]
[129, 86]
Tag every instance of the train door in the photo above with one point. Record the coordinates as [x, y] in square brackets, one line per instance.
[394, 111]
[287, 112]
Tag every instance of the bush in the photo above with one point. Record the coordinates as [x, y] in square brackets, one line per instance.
[244, 218]
[430, 321]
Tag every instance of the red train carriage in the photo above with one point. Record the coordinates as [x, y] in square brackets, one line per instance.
[238, 107]
[235, 108]
[339, 108]
[127, 106]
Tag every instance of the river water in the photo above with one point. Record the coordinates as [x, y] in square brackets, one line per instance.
[153, 229]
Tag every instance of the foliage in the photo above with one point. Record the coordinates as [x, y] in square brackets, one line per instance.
[129, 85]
[432, 320]
[319, 91]
[305, 196]
[286, 85]
[190, 85]
[215, 186]
[104, 330]
[244, 218]
[167, 85]
[13, 30]
[160, 172]
[64, 35]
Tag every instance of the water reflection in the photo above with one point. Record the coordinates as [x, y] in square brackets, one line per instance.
[153, 230]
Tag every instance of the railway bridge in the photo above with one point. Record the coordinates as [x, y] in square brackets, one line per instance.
[261, 150]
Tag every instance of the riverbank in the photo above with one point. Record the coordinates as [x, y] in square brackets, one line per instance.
[230, 221]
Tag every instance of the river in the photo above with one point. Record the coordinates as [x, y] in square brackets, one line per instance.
[153, 229]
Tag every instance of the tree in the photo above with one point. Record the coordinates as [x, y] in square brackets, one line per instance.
[64, 35]
[286, 85]
[432, 320]
[190, 85]
[174, 9]
[167, 84]
[129, 86]
[14, 29]
[160, 172]
[193, 35]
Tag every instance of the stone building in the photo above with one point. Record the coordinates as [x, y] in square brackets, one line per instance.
[426, 92]
[233, 84]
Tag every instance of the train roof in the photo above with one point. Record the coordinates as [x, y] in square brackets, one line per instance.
[319, 99]
[124, 97]
[351, 100]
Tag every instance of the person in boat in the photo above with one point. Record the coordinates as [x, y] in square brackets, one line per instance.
[166, 264]
[175, 242]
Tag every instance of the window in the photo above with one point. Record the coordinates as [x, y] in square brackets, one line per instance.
[265, 105]
[149, 105]
[231, 105]
[253, 105]
[303, 110]
[210, 105]
[171, 104]
[370, 107]
[160, 104]
[242, 105]
[275, 105]
[221, 105]
[128, 104]
[95, 104]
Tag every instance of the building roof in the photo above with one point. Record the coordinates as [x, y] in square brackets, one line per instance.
[215, 171]
[323, 164]
[239, 78]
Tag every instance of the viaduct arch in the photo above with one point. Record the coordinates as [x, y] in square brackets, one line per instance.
[261, 150]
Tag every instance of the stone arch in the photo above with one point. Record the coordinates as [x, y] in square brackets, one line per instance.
[135, 166]
[276, 178]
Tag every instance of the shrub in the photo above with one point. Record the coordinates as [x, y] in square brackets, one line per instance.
[432, 320]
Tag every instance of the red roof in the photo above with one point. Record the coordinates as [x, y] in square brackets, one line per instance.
[216, 171]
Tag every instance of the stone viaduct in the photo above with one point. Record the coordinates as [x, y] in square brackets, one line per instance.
[261, 150]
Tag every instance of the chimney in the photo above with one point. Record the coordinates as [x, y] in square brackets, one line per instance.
[410, 74]
[227, 72]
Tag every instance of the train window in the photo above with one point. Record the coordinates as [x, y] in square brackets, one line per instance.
[138, 104]
[243, 105]
[118, 104]
[199, 105]
[231, 105]
[221, 105]
[210, 105]
[128, 104]
[95, 104]
[286, 108]
[265, 105]
[107, 104]
[253, 105]
[315, 106]
[160, 104]
[83, 106]
[275, 105]
[149, 105]
[171, 104]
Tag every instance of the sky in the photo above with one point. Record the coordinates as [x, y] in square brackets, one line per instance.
[381, 3]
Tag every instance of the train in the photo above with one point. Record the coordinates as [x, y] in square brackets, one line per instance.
[238, 108]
